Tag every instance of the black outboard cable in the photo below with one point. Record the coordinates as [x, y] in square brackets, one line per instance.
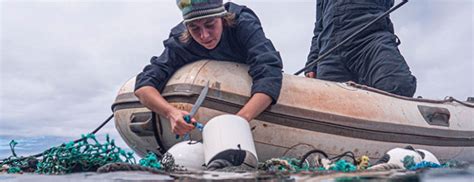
[346, 154]
[309, 153]
[336, 158]
[312, 63]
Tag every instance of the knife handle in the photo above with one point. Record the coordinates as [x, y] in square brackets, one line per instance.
[186, 118]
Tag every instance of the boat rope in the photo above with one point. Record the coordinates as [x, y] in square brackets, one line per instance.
[445, 100]
[384, 167]
[123, 166]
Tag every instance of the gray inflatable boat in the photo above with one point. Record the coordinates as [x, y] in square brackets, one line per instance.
[310, 114]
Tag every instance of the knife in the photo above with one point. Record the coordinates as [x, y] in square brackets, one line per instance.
[195, 108]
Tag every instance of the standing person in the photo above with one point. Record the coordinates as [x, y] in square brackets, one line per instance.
[212, 30]
[371, 58]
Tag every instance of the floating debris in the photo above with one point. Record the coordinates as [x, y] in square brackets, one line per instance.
[88, 154]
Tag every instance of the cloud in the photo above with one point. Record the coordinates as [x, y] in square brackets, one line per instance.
[437, 42]
[62, 63]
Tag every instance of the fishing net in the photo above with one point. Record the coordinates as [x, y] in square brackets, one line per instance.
[16, 166]
[88, 154]
[85, 154]
[292, 165]
[151, 160]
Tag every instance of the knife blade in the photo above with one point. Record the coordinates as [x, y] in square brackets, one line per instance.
[195, 108]
[199, 100]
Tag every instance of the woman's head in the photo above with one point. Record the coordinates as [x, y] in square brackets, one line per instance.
[204, 20]
[207, 32]
[200, 9]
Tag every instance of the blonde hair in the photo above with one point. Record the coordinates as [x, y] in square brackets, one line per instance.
[228, 20]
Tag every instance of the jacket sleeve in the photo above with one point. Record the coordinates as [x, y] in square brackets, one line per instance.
[318, 26]
[160, 70]
[264, 61]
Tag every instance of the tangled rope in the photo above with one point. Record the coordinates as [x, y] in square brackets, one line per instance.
[18, 166]
[122, 166]
[88, 154]
[337, 163]
[409, 164]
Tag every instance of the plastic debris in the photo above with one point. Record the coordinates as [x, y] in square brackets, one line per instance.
[363, 162]
[86, 154]
[343, 166]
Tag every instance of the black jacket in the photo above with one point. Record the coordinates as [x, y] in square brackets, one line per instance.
[245, 42]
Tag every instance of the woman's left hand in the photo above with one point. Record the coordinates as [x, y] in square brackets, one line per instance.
[257, 104]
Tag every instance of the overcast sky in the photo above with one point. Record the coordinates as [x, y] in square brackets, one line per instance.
[62, 62]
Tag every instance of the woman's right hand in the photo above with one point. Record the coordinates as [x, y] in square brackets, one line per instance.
[152, 99]
[178, 124]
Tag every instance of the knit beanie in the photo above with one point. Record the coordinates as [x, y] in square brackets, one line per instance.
[198, 9]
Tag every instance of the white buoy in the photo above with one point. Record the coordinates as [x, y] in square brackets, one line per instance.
[228, 139]
[189, 154]
[396, 156]
[428, 156]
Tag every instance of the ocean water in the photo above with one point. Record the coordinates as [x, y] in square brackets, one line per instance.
[29, 145]
[33, 145]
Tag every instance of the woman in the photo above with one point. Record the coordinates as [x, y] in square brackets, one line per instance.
[212, 30]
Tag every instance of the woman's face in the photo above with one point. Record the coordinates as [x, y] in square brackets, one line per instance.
[207, 32]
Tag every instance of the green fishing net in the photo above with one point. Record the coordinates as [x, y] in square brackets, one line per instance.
[86, 154]
[286, 164]
[150, 160]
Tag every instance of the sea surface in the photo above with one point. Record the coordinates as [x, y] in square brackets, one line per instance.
[33, 145]
[29, 145]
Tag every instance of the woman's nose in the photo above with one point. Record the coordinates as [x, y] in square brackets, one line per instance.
[204, 34]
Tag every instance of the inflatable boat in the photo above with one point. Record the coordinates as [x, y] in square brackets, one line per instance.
[310, 114]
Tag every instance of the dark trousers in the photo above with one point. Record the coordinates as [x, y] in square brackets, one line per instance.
[372, 58]
[378, 64]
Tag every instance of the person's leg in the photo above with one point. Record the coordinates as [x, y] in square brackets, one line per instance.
[387, 69]
[333, 69]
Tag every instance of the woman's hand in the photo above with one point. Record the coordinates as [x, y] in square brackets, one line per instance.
[256, 105]
[152, 99]
[178, 124]
[310, 74]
